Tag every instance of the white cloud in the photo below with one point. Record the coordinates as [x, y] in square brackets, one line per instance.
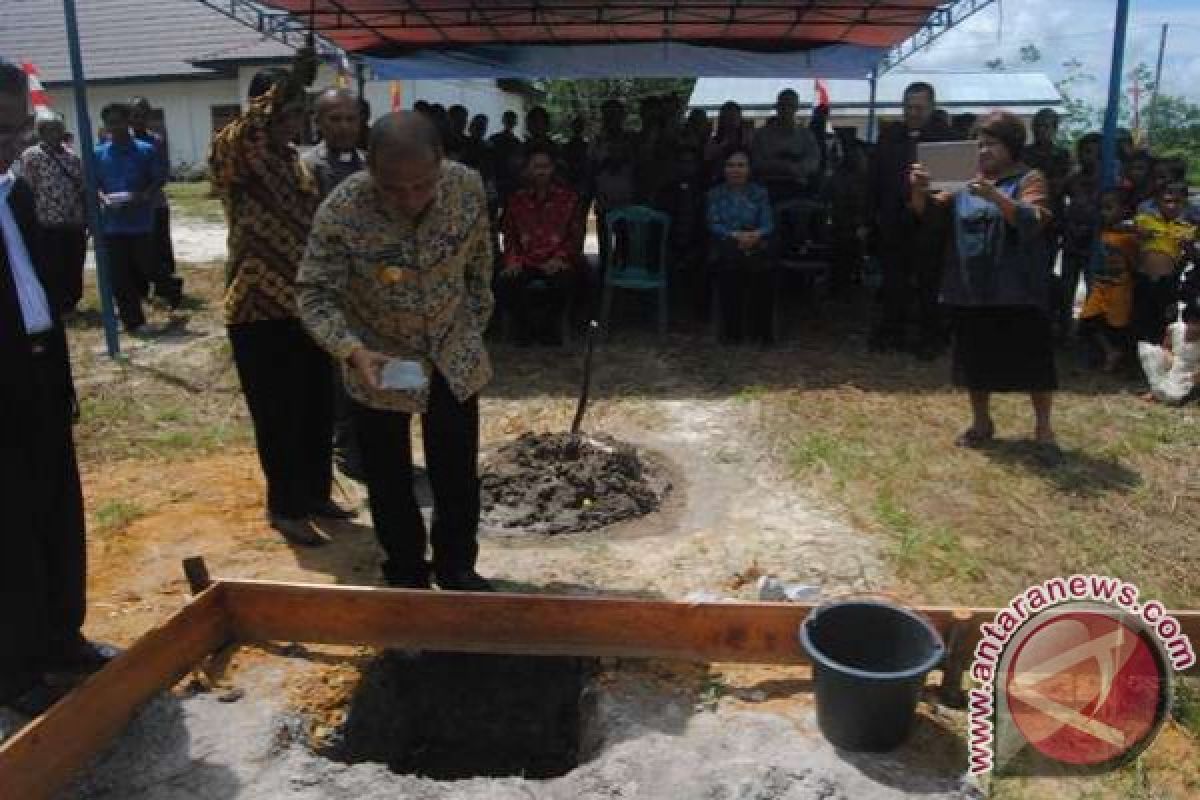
[1075, 29]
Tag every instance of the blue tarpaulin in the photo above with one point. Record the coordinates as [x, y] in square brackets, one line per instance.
[643, 59]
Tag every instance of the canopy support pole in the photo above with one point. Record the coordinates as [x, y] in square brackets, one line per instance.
[1111, 114]
[87, 151]
[871, 120]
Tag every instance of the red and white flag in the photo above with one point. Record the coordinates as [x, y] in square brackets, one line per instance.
[38, 98]
[822, 94]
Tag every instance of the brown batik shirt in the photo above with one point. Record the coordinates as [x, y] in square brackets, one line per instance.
[270, 198]
[412, 289]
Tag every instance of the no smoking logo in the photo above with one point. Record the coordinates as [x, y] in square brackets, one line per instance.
[1085, 686]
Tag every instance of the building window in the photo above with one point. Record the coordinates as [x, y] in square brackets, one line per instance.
[223, 115]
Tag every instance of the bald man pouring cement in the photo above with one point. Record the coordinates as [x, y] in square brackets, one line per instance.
[396, 284]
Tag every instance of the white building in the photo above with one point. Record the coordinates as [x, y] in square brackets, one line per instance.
[1021, 93]
[192, 63]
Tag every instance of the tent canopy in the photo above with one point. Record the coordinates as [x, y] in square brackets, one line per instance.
[662, 60]
[386, 27]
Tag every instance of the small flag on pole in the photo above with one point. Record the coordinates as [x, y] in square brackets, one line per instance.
[822, 94]
[397, 94]
[38, 98]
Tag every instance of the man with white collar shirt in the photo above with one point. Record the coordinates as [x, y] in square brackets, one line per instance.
[42, 553]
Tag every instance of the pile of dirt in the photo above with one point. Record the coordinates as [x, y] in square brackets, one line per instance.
[552, 483]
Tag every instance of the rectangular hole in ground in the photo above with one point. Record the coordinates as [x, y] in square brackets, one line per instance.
[453, 716]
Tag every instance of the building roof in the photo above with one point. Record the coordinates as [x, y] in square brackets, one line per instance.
[126, 39]
[974, 92]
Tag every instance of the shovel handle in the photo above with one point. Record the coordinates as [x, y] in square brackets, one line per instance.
[581, 407]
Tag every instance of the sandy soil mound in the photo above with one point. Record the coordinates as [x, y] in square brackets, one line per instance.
[547, 483]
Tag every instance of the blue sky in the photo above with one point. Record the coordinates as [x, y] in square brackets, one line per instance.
[1082, 29]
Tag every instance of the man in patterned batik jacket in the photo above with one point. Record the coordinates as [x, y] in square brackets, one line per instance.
[396, 284]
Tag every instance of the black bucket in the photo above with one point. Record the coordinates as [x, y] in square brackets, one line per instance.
[869, 660]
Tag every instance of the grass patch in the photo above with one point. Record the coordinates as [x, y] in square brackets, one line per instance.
[114, 515]
[195, 200]
[1186, 707]
[173, 399]
[979, 526]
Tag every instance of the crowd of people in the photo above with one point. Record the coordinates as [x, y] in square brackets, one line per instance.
[362, 276]
[132, 167]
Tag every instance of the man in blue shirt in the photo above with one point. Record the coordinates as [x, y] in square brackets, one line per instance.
[129, 174]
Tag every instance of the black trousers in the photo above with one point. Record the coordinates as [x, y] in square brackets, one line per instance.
[535, 302]
[167, 285]
[450, 429]
[42, 553]
[1074, 267]
[912, 281]
[66, 250]
[745, 284]
[1155, 306]
[135, 266]
[288, 383]
[345, 438]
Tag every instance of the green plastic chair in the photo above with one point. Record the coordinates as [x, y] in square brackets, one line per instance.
[637, 240]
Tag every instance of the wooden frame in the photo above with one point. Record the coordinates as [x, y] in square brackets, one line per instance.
[44, 757]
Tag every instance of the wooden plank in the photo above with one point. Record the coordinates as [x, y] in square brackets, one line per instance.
[753, 633]
[44, 757]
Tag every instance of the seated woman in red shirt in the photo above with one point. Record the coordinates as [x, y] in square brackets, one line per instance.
[543, 246]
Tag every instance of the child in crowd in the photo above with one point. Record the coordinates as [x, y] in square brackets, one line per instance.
[1164, 235]
[1167, 171]
[1109, 306]
[1139, 178]
[1173, 369]
[1081, 195]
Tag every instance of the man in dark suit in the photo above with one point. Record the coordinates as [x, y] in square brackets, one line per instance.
[911, 253]
[42, 554]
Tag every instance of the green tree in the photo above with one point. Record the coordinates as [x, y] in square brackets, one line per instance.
[567, 99]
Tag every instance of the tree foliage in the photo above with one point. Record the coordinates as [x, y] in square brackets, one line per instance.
[1172, 123]
[567, 99]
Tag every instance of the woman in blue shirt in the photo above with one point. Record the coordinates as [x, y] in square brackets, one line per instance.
[740, 224]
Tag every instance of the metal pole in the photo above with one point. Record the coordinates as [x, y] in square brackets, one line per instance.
[871, 121]
[1109, 152]
[1153, 113]
[87, 152]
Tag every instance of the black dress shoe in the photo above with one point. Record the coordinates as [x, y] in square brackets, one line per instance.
[80, 655]
[413, 581]
[399, 578]
[349, 463]
[297, 530]
[331, 510]
[467, 580]
[35, 701]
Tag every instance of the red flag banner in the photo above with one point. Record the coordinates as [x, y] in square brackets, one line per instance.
[821, 90]
[38, 98]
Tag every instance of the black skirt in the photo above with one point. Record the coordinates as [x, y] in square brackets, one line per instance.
[1003, 349]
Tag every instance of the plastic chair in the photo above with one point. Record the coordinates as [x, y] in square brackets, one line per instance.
[637, 239]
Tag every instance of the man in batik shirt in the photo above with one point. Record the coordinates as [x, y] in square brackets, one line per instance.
[270, 198]
[396, 284]
[56, 176]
